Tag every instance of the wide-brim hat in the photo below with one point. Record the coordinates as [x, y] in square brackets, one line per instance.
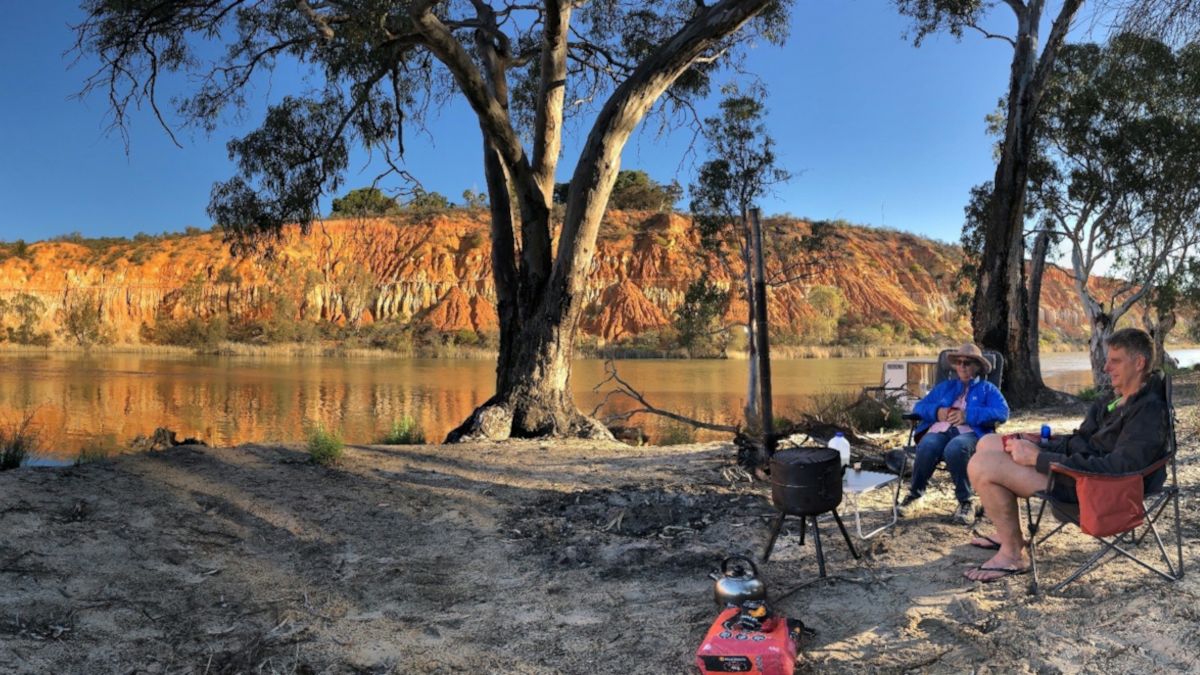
[970, 351]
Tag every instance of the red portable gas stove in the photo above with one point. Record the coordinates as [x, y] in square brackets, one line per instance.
[750, 639]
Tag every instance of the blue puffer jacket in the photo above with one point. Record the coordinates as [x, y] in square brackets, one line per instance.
[986, 406]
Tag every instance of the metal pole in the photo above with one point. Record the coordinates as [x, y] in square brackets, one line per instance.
[764, 358]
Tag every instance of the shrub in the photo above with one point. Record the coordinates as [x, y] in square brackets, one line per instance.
[324, 447]
[391, 335]
[471, 241]
[82, 322]
[17, 442]
[200, 334]
[405, 431]
[427, 203]
[227, 276]
[852, 410]
[28, 310]
[98, 449]
[677, 434]
[362, 202]
[1088, 394]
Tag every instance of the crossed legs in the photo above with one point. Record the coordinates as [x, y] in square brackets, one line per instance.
[999, 482]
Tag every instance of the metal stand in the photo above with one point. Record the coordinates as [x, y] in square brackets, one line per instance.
[777, 526]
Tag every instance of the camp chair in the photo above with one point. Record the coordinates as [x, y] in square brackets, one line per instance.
[1118, 511]
[899, 461]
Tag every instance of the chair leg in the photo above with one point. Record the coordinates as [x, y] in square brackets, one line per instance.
[775, 528]
[1178, 534]
[1086, 567]
[1033, 524]
[820, 553]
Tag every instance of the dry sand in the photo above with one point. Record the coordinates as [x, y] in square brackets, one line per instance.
[519, 558]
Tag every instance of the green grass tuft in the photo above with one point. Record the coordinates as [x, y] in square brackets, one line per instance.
[324, 447]
[18, 442]
[1088, 394]
[405, 431]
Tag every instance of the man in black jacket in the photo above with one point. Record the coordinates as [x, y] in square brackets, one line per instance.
[1120, 435]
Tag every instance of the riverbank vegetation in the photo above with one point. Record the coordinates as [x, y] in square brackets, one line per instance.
[18, 442]
[325, 447]
[404, 431]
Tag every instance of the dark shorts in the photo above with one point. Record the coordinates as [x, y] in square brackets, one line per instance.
[1064, 489]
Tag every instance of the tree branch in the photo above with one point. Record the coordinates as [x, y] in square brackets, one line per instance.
[627, 390]
[548, 118]
[993, 36]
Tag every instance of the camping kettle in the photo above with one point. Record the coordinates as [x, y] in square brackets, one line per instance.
[737, 582]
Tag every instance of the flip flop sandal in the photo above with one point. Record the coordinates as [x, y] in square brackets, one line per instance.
[1005, 572]
[991, 545]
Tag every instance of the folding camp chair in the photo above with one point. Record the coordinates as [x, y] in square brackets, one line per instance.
[899, 461]
[1118, 511]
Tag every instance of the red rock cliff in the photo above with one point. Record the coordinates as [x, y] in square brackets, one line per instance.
[438, 271]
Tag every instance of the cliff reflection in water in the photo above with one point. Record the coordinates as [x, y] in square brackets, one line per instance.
[233, 400]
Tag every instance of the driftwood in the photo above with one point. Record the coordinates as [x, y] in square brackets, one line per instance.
[625, 389]
[817, 431]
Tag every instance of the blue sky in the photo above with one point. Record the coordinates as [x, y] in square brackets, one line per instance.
[877, 131]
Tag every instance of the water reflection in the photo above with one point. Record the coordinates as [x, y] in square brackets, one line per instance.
[231, 400]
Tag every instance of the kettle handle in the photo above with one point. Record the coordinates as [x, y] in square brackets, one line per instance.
[725, 564]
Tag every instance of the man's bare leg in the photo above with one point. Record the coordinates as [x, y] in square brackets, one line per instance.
[999, 481]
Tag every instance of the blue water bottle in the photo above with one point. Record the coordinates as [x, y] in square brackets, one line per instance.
[1045, 442]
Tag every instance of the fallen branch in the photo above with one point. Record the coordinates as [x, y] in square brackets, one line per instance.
[623, 388]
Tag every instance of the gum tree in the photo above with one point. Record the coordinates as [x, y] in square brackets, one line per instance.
[1120, 140]
[741, 171]
[1000, 307]
[374, 66]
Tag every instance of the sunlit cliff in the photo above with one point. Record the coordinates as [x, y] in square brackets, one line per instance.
[436, 270]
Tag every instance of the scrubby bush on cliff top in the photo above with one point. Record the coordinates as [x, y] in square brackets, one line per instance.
[367, 201]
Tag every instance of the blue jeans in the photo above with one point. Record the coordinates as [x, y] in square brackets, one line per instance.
[953, 448]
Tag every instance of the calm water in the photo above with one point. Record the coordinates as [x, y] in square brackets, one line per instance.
[231, 400]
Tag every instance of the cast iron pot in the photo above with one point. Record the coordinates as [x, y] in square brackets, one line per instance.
[806, 481]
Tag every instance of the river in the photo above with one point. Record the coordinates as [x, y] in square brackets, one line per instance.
[77, 398]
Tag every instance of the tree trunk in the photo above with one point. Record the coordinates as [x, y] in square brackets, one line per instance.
[1000, 311]
[1037, 268]
[504, 272]
[752, 402]
[1102, 328]
[533, 396]
[1159, 329]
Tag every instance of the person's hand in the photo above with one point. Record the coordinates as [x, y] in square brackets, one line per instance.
[942, 414]
[956, 417]
[1023, 452]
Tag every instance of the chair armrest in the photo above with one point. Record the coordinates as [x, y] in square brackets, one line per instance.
[911, 417]
[1055, 467]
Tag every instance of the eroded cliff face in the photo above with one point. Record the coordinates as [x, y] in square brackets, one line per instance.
[438, 271]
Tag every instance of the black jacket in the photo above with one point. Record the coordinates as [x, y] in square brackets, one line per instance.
[1126, 440]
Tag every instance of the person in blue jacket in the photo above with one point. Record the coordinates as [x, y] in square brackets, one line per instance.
[954, 415]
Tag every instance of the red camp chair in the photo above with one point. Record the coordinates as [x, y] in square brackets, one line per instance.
[1118, 511]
